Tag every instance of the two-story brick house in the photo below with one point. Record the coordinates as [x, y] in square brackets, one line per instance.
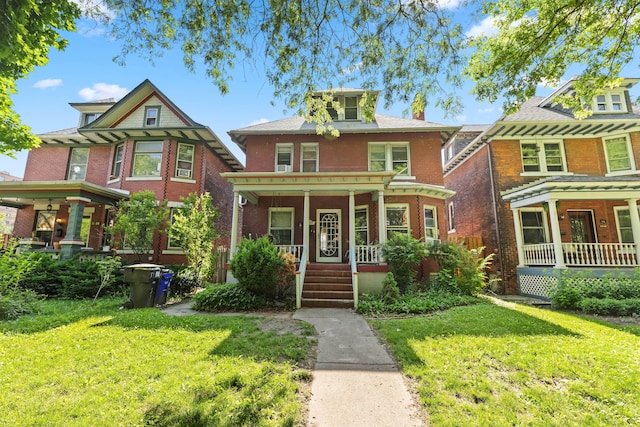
[547, 192]
[332, 200]
[142, 142]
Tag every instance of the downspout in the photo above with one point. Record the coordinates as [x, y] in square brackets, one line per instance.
[495, 212]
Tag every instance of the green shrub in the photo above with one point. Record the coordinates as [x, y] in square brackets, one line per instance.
[390, 291]
[18, 302]
[225, 297]
[256, 265]
[611, 307]
[15, 300]
[575, 286]
[462, 269]
[183, 282]
[403, 254]
[414, 303]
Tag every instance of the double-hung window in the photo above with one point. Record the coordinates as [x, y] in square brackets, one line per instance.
[618, 154]
[147, 158]
[389, 157]
[281, 225]
[151, 116]
[430, 223]
[397, 219]
[534, 230]
[542, 156]
[184, 161]
[610, 103]
[284, 158]
[623, 221]
[116, 166]
[361, 225]
[78, 164]
[309, 161]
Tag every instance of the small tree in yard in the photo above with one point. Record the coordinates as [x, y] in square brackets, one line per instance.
[403, 254]
[193, 227]
[137, 220]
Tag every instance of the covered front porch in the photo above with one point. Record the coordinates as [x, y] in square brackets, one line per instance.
[63, 217]
[574, 222]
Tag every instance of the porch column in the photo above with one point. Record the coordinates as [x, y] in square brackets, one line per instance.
[234, 225]
[305, 228]
[555, 233]
[382, 223]
[635, 225]
[352, 226]
[517, 226]
[72, 243]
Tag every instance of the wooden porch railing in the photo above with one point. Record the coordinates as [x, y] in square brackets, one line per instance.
[583, 254]
[296, 250]
[368, 254]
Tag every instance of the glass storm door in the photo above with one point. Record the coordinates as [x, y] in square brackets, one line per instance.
[581, 223]
[328, 235]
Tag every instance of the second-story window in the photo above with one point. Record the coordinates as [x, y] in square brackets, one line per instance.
[151, 116]
[284, 158]
[618, 154]
[89, 117]
[539, 156]
[184, 162]
[430, 223]
[609, 103]
[116, 167]
[309, 162]
[78, 160]
[147, 158]
[389, 157]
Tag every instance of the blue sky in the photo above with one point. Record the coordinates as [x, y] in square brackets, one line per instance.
[85, 72]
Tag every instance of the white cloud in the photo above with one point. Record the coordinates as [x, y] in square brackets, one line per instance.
[448, 4]
[487, 27]
[47, 83]
[485, 110]
[95, 30]
[550, 84]
[102, 91]
[461, 118]
[259, 121]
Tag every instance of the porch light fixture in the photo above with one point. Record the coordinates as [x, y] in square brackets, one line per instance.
[49, 207]
[603, 222]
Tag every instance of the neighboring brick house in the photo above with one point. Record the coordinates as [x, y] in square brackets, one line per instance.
[142, 142]
[546, 192]
[325, 198]
[7, 213]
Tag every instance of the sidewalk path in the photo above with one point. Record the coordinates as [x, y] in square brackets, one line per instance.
[355, 382]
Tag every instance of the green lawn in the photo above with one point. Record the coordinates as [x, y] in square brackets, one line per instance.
[80, 365]
[508, 365]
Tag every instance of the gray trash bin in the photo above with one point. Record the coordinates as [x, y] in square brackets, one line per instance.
[143, 279]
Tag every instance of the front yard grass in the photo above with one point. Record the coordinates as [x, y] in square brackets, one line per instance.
[509, 364]
[77, 364]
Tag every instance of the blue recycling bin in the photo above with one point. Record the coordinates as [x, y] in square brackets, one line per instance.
[163, 287]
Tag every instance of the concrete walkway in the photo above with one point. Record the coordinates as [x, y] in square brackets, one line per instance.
[355, 382]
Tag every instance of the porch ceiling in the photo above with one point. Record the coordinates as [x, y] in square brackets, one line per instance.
[20, 194]
[573, 188]
[565, 129]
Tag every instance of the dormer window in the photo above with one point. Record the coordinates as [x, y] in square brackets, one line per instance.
[151, 116]
[89, 117]
[350, 108]
[609, 103]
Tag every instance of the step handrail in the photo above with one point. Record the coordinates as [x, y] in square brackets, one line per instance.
[354, 276]
[302, 269]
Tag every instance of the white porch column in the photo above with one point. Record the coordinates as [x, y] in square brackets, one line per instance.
[352, 226]
[305, 227]
[517, 226]
[234, 224]
[635, 224]
[382, 223]
[555, 234]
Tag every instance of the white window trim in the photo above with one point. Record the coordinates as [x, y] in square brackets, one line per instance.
[113, 177]
[435, 221]
[395, 205]
[451, 216]
[542, 159]
[388, 157]
[146, 117]
[70, 165]
[310, 145]
[632, 161]
[545, 223]
[609, 103]
[366, 209]
[616, 209]
[275, 162]
[192, 161]
[293, 215]
[133, 162]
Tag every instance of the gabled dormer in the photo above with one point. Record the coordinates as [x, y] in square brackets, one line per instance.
[606, 101]
[89, 111]
[346, 105]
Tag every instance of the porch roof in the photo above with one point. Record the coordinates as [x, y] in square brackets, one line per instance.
[20, 194]
[576, 187]
[252, 185]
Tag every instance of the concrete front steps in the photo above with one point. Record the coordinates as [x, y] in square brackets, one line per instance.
[327, 285]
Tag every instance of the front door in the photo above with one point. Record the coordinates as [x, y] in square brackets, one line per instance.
[328, 235]
[581, 223]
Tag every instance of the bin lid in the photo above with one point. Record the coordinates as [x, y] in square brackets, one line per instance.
[144, 266]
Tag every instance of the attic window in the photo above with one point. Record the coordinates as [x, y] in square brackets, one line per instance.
[151, 116]
[89, 117]
[609, 103]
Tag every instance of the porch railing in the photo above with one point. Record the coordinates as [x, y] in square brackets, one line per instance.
[368, 254]
[296, 250]
[583, 254]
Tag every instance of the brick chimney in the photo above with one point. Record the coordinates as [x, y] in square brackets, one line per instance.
[418, 116]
